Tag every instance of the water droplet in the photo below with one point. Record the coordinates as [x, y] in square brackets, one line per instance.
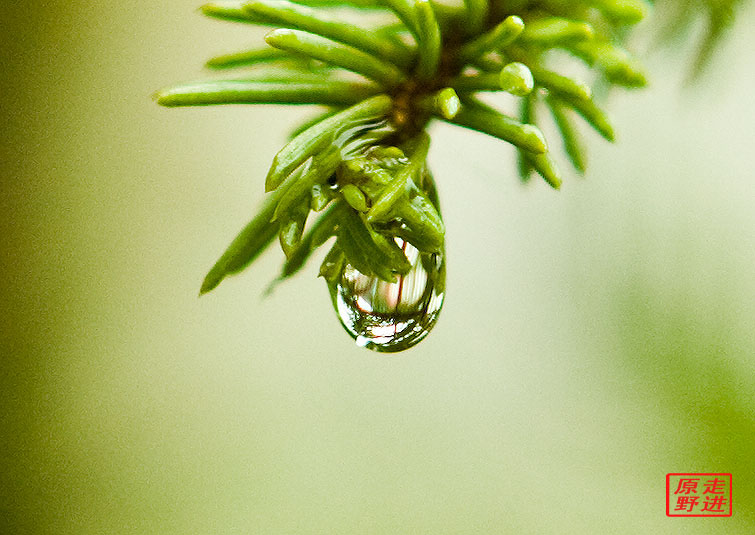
[390, 317]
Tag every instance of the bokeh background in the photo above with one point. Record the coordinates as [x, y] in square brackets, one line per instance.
[592, 341]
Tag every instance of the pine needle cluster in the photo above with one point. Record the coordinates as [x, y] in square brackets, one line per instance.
[384, 69]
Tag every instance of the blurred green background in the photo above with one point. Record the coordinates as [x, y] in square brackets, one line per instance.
[592, 341]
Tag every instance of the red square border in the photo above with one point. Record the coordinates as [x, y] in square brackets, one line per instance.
[668, 496]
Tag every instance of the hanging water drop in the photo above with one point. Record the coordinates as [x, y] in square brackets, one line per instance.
[391, 316]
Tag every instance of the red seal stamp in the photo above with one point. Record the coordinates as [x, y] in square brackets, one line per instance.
[698, 495]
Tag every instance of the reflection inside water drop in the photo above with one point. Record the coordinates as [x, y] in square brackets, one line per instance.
[386, 316]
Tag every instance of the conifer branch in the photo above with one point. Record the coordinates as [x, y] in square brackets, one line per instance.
[361, 165]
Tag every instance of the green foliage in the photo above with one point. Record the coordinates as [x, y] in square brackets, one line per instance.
[384, 82]
[679, 15]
